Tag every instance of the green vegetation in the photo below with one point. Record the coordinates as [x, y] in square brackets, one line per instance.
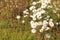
[13, 29]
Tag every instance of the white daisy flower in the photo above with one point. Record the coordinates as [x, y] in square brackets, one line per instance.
[34, 3]
[43, 6]
[33, 30]
[45, 22]
[23, 21]
[33, 25]
[48, 16]
[18, 17]
[26, 11]
[51, 20]
[43, 27]
[51, 24]
[34, 11]
[32, 7]
[38, 13]
[41, 30]
[39, 17]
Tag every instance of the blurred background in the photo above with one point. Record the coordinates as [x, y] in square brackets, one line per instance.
[13, 29]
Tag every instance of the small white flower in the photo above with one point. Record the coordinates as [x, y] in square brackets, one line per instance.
[45, 22]
[43, 6]
[47, 28]
[51, 24]
[39, 17]
[48, 16]
[23, 21]
[38, 13]
[47, 35]
[26, 11]
[43, 27]
[51, 20]
[34, 3]
[25, 15]
[33, 30]
[32, 7]
[34, 11]
[57, 23]
[18, 17]
[41, 30]
[33, 25]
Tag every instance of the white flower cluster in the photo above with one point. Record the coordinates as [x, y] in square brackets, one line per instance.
[45, 25]
[34, 25]
[45, 3]
[37, 14]
[25, 12]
